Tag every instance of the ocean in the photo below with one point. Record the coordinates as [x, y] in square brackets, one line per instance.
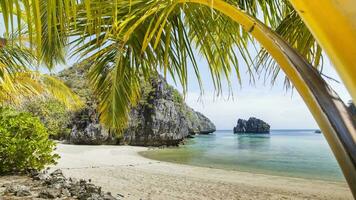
[294, 153]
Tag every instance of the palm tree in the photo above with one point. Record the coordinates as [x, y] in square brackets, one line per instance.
[18, 82]
[127, 39]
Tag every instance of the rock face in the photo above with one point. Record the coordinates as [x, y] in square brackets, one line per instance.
[91, 134]
[198, 123]
[160, 118]
[252, 125]
[86, 128]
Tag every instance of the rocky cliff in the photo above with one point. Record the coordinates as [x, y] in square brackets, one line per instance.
[198, 123]
[160, 118]
[252, 125]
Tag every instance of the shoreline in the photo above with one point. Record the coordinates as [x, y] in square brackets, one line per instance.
[145, 154]
[122, 170]
[267, 173]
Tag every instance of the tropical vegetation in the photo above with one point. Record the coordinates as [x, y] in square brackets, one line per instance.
[128, 39]
[54, 115]
[24, 143]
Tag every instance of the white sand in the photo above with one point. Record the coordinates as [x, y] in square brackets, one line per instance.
[121, 170]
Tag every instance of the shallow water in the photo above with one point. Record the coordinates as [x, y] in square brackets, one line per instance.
[296, 153]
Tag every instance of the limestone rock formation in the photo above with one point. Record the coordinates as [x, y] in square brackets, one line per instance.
[160, 118]
[199, 123]
[252, 125]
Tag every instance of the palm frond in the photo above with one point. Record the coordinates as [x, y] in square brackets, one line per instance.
[26, 85]
[294, 31]
[20, 81]
[45, 24]
[160, 35]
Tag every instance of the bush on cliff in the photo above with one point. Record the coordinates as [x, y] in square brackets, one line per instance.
[24, 143]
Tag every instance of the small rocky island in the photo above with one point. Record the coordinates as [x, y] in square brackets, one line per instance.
[252, 125]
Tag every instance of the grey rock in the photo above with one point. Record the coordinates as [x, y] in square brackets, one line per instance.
[22, 191]
[18, 190]
[91, 188]
[65, 192]
[198, 123]
[56, 179]
[160, 118]
[252, 125]
[93, 134]
[164, 118]
[50, 193]
[75, 190]
[55, 186]
[41, 177]
[57, 172]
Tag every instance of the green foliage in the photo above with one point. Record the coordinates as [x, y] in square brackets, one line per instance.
[177, 97]
[53, 114]
[24, 143]
[146, 94]
[76, 79]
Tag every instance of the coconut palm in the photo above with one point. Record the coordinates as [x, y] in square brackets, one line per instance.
[20, 81]
[128, 39]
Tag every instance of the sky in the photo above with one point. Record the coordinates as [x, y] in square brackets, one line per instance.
[281, 109]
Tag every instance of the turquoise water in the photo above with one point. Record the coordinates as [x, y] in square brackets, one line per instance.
[296, 153]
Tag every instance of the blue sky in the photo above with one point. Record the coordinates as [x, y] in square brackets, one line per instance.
[281, 109]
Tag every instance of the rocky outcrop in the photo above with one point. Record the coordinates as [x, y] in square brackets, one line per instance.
[86, 128]
[252, 125]
[51, 186]
[160, 118]
[198, 123]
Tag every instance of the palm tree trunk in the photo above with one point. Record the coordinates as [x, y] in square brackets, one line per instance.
[327, 108]
[335, 30]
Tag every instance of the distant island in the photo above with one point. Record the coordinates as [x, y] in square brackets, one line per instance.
[252, 125]
[317, 131]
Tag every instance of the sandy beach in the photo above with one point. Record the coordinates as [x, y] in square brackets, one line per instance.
[121, 170]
